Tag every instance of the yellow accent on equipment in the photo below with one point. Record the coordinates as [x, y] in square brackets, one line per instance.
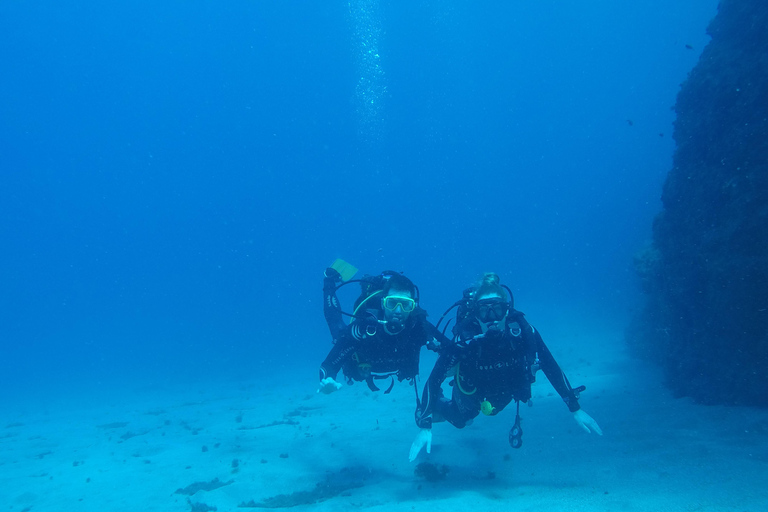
[363, 303]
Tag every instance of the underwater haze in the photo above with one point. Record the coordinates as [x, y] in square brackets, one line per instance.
[175, 176]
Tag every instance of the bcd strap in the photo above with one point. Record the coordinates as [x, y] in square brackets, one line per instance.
[527, 334]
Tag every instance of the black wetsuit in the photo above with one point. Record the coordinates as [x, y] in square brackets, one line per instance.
[365, 351]
[496, 368]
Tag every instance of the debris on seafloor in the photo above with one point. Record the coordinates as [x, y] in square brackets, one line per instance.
[200, 507]
[191, 489]
[273, 424]
[431, 472]
[332, 485]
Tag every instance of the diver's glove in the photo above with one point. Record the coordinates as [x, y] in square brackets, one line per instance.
[330, 278]
[586, 422]
[424, 438]
[328, 386]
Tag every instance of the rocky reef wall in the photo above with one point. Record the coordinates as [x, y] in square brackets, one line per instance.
[706, 273]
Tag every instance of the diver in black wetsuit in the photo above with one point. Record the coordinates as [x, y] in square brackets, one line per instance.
[385, 336]
[493, 360]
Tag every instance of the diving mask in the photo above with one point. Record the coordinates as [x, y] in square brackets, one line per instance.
[491, 310]
[390, 302]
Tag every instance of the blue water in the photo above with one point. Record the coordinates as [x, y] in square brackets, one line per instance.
[175, 176]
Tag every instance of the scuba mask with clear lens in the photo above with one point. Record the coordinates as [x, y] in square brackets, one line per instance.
[390, 302]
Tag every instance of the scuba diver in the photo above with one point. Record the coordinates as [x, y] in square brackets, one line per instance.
[386, 333]
[493, 359]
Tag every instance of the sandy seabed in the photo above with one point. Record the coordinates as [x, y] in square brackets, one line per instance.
[281, 445]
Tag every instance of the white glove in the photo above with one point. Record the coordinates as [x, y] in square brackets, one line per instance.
[424, 437]
[328, 386]
[586, 422]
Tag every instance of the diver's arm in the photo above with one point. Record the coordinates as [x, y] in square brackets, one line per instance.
[435, 338]
[554, 374]
[433, 390]
[409, 364]
[419, 336]
[563, 387]
[331, 307]
[339, 353]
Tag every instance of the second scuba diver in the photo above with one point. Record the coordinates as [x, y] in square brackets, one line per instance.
[493, 360]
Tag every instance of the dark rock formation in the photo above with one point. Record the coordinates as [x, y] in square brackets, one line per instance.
[706, 274]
